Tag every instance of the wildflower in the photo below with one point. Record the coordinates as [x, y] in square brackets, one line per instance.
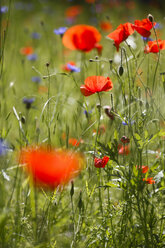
[36, 79]
[149, 180]
[121, 33]
[4, 9]
[73, 11]
[3, 147]
[28, 102]
[101, 162]
[144, 168]
[42, 89]
[32, 57]
[143, 27]
[60, 31]
[26, 50]
[105, 26]
[124, 123]
[95, 84]
[51, 168]
[73, 68]
[154, 46]
[81, 37]
[36, 36]
[125, 140]
[147, 39]
[123, 150]
[74, 142]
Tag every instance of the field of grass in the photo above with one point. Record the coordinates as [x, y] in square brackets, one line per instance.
[118, 197]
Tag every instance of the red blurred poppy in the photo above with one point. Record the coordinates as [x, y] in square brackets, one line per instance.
[123, 150]
[125, 140]
[42, 89]
[101, 162]
[75, 142]
[121, 33]
[81, 37]
[149, 180]
[154, 46]
[51, 168]
[26, 50]
[95, 84]
[73, 11]
[144, 168]
[66, 68]
[105, 26]
[143, 27]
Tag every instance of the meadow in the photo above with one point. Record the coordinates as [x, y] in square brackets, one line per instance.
[82, 126]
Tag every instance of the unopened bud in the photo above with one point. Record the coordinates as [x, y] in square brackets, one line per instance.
[121, 70]
[97, 57]
[47, 64]
[23, 120]
[90, 60]
[72, 189]
[150, 17]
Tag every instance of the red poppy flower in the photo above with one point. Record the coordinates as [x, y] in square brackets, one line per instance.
[75, 142]
[95, 84]
[123, 150]
[152, 46]
[149, 180]
[66, 68]
[101, 162]
[73, 11]
[51, 168]
[26, 50]
[143, 27]
[144, 168]
[105, 26]
[121, 33]
[81, 37]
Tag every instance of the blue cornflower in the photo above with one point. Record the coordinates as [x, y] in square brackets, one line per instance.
[36, 79]
[158, 26]
[146, 39]
[28, 102]
[4, 9]
[127, 123]
[60, 31]
[32, 57]
[3, 147]
[73, 68]
[36, 35]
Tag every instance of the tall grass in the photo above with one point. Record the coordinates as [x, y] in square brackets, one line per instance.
[102, 207]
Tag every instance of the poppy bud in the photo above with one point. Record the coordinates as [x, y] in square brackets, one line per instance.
[121, 70]
[125, 140]
[150, 17]
[90, 60]
[47, 64]
[96, 57]
[23, 120]
[108, 112]
[72, 189]
[80, 202]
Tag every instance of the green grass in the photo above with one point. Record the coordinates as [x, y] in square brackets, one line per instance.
[110, 207]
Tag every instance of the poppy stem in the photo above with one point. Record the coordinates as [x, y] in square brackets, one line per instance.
[156, 68]
[48, 115]
[99, 117]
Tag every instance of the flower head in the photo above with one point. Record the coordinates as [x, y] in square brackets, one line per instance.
[4, 9]
[60, 31]
[125, 140]
[149, 180]
[154, 46]
[51, 168]
[95, 84]
[73, 68]
[26, 50]
[101, 162]
[121, 33]
[73, 11]
[32, 57]
[105, 26]
[36, 35]
[36, 79]
[28, 102]
[81, 37]
[123, 150]
[3, 147]
[144, 168]
[143, 27]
